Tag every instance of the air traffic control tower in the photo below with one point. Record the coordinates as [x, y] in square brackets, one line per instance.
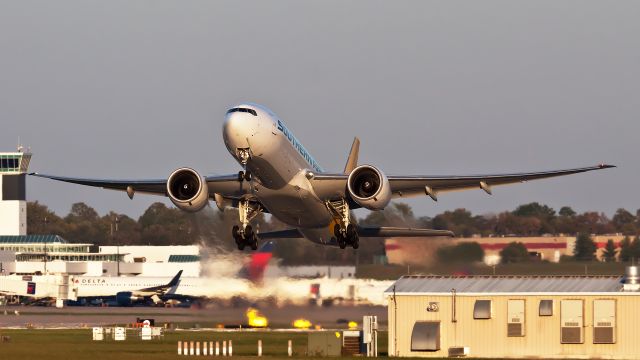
[13, 204]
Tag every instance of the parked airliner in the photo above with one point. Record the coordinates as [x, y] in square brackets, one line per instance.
[281, 177]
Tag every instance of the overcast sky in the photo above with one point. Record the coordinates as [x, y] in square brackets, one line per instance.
[135, 89]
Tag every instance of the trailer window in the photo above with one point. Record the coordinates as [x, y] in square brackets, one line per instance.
[482, 309]
[545, 308]
[425, 336]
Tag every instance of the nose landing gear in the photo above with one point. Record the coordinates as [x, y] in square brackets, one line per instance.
[243, 155]
[244, 176]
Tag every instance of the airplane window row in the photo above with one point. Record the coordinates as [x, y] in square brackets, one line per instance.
[250, 111]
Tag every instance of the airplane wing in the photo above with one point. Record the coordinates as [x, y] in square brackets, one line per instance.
[406, 186]
[385, 231]
[227, 186]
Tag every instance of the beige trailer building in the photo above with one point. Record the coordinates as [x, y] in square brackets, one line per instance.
[515, 316]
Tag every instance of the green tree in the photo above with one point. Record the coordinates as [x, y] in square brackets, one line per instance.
[514, 252]
[543, 213]
[635, 248]
[509, 224]
[624, 222]
[567, 211]
[536, 210]
[462, 252]
[585, 248]
[609, 254]
[625, 250]
[85, 226]
[460, 221]
[41, 220]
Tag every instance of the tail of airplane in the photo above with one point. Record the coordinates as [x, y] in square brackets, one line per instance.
[352, 160]
[175, 280]
[254, 270]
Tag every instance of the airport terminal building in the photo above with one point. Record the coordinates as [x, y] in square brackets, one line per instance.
[515, 316]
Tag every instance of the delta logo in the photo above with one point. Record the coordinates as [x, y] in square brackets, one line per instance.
[90, 281]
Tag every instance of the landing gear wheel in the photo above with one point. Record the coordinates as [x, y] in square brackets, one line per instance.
[336, 231]
[352, 236]
[341, 243]
[235, 232]
[352, 233]
[241, 176]
[247, 176]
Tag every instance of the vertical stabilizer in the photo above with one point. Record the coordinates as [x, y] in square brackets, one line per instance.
[255, 268]
[352, 161]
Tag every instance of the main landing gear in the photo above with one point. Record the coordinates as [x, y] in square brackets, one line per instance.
[244, 234]
[345, 232]
[244, 176]
[245, 237]
[348, 236]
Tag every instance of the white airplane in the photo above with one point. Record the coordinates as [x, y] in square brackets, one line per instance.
[282, 178]
[126, 290]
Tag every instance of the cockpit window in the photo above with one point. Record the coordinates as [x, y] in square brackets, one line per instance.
[250, 111]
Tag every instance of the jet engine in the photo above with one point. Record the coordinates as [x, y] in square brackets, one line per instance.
[126, 298]
[369, 187]
[187, 190]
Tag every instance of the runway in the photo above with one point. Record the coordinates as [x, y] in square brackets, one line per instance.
[279, 317]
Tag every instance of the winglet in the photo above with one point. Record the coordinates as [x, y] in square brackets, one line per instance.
[175, 279]
[352, 160]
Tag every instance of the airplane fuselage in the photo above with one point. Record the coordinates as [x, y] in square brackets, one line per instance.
[280, 167]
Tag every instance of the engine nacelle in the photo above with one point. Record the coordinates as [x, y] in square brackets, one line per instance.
[369, 187]
[187, 190]
[124, 298]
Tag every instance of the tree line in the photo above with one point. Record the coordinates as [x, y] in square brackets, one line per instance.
[162, 225]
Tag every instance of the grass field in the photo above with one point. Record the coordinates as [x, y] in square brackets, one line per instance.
[78, 344]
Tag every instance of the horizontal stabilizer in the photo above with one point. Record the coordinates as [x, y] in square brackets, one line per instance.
[383, 231]
[280, 234]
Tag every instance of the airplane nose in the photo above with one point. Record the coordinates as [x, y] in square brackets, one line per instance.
[235, 131]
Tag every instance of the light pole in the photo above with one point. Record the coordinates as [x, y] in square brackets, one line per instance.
[117, 243]
[46, 221]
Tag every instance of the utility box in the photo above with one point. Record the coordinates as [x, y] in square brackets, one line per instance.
[98, 334]
[370, 336]
[325, 343]
[351, 342]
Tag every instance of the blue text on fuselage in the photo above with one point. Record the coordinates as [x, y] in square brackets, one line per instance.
[296, 144]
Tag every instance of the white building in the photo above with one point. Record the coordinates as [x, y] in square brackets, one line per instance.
[51, 254]
[13, 205]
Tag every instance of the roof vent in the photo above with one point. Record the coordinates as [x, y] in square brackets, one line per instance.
[632, 275]
[631, 278]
